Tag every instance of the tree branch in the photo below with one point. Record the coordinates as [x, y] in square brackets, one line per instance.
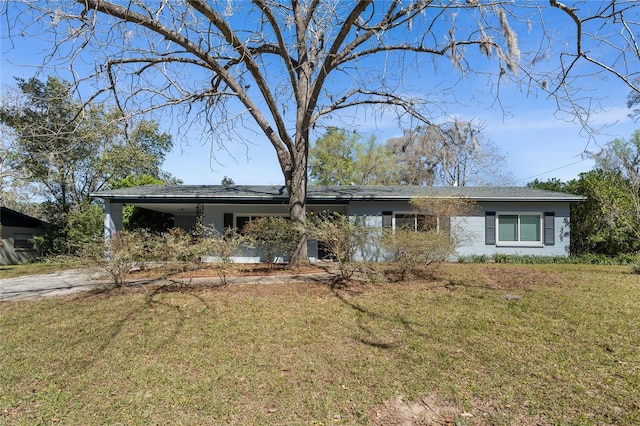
[246, 57]
[375, 98]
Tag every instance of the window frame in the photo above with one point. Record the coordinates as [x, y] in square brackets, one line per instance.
[253, 216]
[394, 224]
[393, 227]
[519, 242]
[26, 244]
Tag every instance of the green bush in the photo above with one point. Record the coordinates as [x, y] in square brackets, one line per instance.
[589, 259]
[342, 236]
[500, 258]
[222, 248]
[84, 226]
[409, 249]
[179, 251]
[121, 253]
[274, 235]
[480, 258]
[183, 251]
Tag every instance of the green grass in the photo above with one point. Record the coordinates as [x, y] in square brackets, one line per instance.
[586, 259]
[11, 271]
[566, 352]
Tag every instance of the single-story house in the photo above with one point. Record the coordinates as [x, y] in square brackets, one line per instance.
[509, 220]
[16, 237]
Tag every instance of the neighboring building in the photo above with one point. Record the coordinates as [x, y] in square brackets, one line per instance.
[18, 230]
[511, 220]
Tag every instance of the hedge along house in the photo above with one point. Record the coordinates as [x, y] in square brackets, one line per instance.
[16, 237]
[510, 220]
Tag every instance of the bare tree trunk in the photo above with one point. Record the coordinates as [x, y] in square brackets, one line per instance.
[298, 212]
[297, 188]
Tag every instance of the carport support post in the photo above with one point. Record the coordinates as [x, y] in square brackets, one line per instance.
[112, 219]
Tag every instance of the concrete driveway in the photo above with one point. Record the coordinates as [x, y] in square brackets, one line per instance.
[60, 283]
[63, 283]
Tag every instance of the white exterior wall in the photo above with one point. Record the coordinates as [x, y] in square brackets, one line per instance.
[471, 230]
[474, 236]
[112, 218]
[371, 213]
[213, 215]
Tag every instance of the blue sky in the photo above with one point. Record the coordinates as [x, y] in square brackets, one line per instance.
[537, 144]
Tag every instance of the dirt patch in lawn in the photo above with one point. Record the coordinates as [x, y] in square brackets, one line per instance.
[508, 277]
[445, 276]
[431, 410]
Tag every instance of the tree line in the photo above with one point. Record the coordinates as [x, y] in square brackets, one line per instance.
[608, 220]
[454, 153]
[57, 151]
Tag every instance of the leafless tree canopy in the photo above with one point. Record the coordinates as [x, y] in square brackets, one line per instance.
[288, 64]
[455, 153]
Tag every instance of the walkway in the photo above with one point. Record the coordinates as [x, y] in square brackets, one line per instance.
[63, 283]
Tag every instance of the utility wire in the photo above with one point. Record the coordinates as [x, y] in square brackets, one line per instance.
[549, 171]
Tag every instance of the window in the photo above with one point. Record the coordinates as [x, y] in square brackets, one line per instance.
[414, 221]
[23, 242]
[406, 221]
[519, 229]
[241, 220]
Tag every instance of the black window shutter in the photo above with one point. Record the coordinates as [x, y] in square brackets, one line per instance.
[228, 220]
[386, 219]
[549, 229]
[490, 228]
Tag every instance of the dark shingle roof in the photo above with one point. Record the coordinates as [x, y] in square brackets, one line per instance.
[266, 193]
[9, 217]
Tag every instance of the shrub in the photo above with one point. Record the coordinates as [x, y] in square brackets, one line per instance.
[589, 259]
[474, 258]
[342, 236]
[179, 249]
[221, 247]
[121, 253]
[84, 226]
[274, 235]
[409, 249]
[500, 258]
[185, 250]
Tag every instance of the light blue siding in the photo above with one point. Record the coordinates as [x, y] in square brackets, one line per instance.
[470, 230]
[474, 242]
[213, 215]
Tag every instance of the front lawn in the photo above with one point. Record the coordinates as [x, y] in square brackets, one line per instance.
[12, 271]
[467, 344]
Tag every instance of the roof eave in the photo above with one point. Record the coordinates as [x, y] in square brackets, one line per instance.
[281, 199]
[569, 199]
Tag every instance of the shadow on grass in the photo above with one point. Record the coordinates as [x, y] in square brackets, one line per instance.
[152, 301]
[365, 314]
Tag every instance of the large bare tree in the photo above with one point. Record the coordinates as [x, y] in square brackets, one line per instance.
[454, 153]
[289, 64]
